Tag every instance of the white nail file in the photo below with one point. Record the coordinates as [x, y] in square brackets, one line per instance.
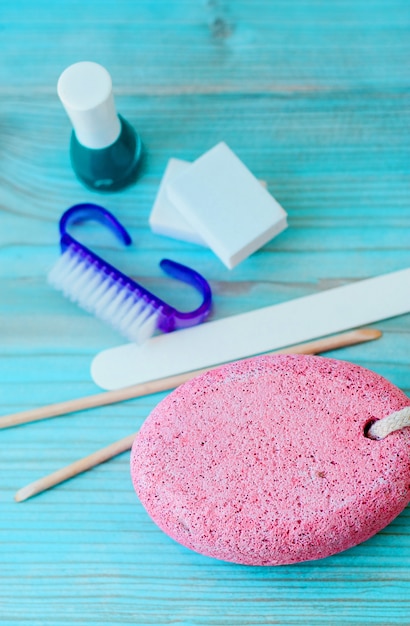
[255, 332]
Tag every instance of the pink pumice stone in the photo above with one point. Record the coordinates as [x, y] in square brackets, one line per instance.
[266, 462]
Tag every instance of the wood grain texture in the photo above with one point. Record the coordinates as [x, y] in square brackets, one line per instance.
[313, 96]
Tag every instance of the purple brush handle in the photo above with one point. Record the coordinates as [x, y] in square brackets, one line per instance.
[169, 318]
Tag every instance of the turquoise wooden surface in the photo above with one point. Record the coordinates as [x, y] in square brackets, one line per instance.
[314, 97]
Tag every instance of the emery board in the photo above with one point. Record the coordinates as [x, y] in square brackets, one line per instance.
[262, 330]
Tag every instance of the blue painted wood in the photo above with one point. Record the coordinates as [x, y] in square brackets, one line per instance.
[313, 96]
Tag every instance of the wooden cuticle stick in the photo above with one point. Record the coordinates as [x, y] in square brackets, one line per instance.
[104, 454]
[165, 384]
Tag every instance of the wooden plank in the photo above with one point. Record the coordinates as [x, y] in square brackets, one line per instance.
[313, 96]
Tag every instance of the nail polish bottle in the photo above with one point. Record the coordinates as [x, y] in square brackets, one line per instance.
[105, 149]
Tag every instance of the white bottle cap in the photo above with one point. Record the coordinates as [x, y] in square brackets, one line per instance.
[85, 89]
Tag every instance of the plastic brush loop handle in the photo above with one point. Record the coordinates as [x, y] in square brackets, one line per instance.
[87, 211]
[170, 318]
[190, 276]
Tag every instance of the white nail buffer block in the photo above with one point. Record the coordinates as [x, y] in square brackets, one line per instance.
[262, 330]
[165, 219]
[226, 205]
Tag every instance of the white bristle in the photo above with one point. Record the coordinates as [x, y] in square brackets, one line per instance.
[95, 292]
[116, 304]
[133, 313]
[69, 282]
[94, 286]
[84, 283]
[105, 299]
[84, 280]
[141, 331]
[125, 308]
[63, 267]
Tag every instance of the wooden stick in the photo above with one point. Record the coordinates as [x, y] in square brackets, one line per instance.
[78, 467]
[143, 389]
[82, 465]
